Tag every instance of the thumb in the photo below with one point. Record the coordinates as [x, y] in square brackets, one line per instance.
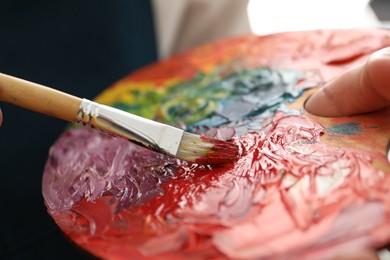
[359, 90]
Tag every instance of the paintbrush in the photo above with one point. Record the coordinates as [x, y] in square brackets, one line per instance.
[153, 135]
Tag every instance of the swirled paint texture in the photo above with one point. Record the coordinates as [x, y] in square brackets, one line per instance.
[304, 187]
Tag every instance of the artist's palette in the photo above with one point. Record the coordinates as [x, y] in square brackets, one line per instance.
[304, 187]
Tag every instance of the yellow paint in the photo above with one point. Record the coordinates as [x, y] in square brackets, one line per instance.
[122, 91]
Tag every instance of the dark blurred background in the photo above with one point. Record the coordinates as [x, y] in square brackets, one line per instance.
[76, 46]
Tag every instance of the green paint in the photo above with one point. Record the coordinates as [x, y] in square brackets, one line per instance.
[215, 96]
[351, 128]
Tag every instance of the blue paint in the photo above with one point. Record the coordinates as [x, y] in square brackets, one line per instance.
[248, 95]
[351, 128]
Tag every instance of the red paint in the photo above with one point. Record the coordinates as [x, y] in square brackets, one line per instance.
[269, 203]
[221, 153]
[205, 211]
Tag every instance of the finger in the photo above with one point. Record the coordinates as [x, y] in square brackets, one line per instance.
[359, 90]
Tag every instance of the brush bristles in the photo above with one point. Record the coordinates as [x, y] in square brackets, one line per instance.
[192, 147]
[206, 150]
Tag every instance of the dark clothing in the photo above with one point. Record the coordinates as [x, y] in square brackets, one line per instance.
[77, 46]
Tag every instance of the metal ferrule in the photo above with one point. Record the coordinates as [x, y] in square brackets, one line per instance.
[148, 133]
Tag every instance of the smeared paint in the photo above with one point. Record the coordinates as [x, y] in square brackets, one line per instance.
[87, 164]
[279, 157]
[240, 100]
[212, 99]
[198, 210]
[350, 128]
[288, 195]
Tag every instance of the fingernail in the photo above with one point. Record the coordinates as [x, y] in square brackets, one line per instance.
[305, 103]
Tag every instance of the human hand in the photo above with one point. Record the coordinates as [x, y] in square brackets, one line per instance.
[1, 117]
[359, 90]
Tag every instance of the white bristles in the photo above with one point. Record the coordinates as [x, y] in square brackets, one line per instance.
[192, 147]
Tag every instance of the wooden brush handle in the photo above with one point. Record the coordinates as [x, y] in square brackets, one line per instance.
[38, 98]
